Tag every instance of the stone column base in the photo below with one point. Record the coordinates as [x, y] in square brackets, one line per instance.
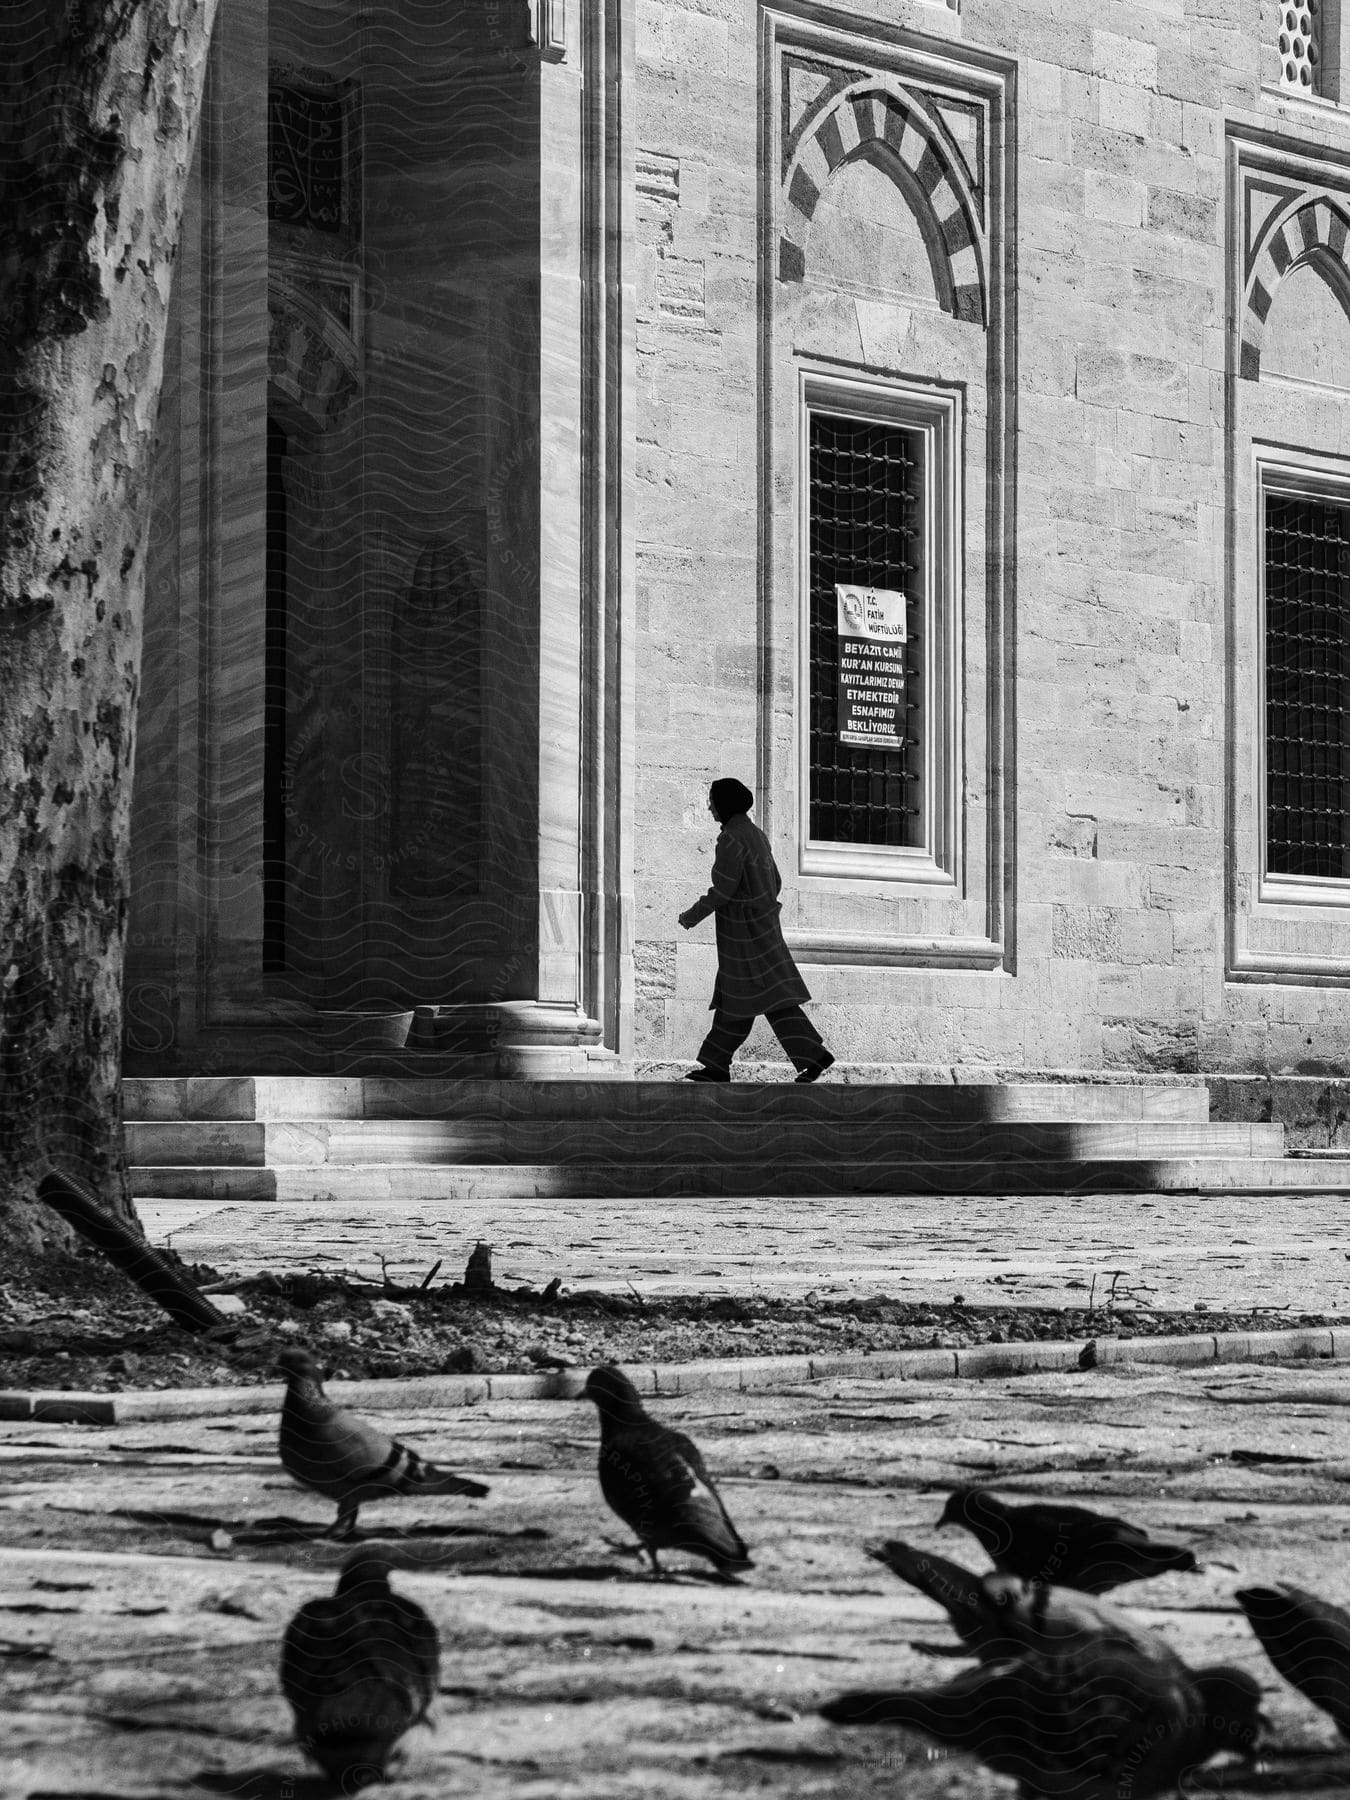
[522, 1040]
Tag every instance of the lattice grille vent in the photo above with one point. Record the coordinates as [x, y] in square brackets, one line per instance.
[1301, 46]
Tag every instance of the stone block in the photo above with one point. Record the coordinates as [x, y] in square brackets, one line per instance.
[1090, 934]
[16, 1406]
[693, 187]
[74, 1409]
[1181, 1351]
[1126, 109]
[1114, 198]
[1042, 86]
[1195, 935]
[1183, 215]
[1176, 889]
[1152, 386]
[688, 46]
[988, 1360]
[1268, 1346]
[889, 1365]
[1148, 1045]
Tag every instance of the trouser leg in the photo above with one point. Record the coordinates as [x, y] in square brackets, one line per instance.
[724, 1039]
[798, 1036]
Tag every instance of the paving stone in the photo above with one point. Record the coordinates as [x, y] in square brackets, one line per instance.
[1057, 1250]
[566, 1671]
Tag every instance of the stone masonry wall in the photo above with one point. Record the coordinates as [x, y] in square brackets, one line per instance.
[1127, 876]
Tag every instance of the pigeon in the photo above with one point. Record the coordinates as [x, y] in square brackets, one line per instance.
[326, 1448]
[1000, 1616]
[1069, 1546]
[1308, 1640]
[359, 1669]
[1091, 1721]
[657, 1482]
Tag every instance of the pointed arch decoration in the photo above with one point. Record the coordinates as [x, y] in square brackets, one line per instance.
[311, 359]
[887, 122]
[1311, 230]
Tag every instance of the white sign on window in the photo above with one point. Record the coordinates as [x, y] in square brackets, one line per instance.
[872, 636]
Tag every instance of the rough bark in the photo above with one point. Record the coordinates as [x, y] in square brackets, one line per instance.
[98, 105]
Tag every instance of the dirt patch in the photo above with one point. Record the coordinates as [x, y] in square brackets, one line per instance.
[72, 1322]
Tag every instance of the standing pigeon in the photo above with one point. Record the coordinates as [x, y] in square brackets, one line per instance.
[1308, 1640]
[359, 1669]
[1000, 1616]
[1069, 1546]
[1092, 1722]
[656, 1480]
[331, 1450]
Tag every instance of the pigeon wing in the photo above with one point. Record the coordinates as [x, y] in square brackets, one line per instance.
[1077, 1547]
[305, 1655]
[658, 1484]
[339, 1453]
[699, 1509]
[1057, 1619]
[332, 1450]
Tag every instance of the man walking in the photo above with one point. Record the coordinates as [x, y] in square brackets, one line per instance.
[755, 970]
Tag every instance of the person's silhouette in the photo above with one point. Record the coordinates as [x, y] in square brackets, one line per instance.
[755, 970]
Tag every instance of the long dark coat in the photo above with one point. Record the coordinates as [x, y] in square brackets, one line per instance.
[755, 970]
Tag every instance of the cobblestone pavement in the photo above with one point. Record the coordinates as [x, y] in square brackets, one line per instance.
[138, 1661]
[1170, 1251]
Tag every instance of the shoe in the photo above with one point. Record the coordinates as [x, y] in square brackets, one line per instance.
[817, 1069]
[704, 1073]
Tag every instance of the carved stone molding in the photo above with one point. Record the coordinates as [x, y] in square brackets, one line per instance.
[1304, 225]
[311, 360]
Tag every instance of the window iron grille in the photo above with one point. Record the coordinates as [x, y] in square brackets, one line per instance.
[1307, 557]
[865, 489]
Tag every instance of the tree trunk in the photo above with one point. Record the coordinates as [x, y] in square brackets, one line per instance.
[98, 107]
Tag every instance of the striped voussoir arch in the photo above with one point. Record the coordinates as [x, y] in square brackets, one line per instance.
[861, 117]
[1316, 226]
[309, 359]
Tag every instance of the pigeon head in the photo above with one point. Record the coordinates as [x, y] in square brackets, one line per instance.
[614, 1394]
[299, 1365]
[1232, 1706]
[367, 1567]
[1007, 1593]
[961, 1506]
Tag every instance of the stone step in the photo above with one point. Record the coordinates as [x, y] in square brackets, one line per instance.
[802, 1176]
[769, 1144]
[263, 1097]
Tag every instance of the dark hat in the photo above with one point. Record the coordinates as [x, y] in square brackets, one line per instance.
[730, 797]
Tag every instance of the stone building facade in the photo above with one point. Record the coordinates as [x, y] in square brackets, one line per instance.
[547, 383]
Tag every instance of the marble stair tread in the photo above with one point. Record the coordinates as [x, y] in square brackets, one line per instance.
[711, 1138]
[259, 1098]
[376, 1182]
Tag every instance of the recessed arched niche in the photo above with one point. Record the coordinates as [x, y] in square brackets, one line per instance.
[1307, 335]
[865, 236]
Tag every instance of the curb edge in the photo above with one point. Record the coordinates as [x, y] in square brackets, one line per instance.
[744, 1374]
